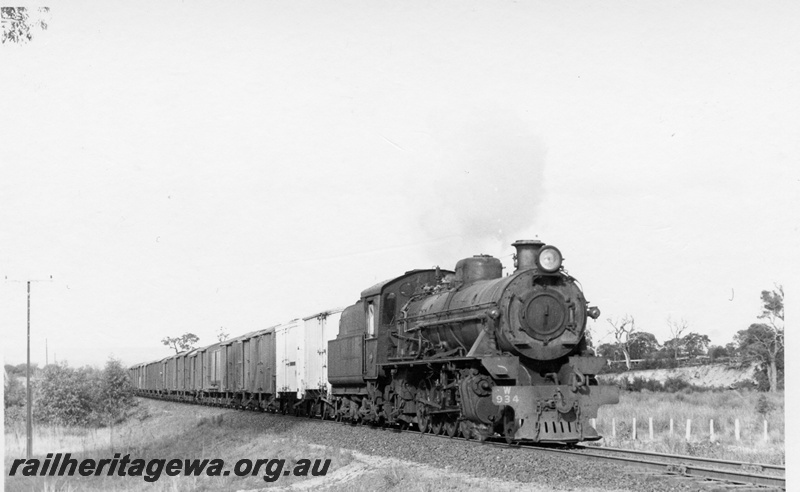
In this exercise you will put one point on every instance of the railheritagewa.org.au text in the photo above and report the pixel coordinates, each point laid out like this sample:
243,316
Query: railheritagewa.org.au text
60,464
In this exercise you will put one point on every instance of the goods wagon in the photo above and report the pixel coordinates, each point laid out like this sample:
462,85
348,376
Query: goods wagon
320,329
289,357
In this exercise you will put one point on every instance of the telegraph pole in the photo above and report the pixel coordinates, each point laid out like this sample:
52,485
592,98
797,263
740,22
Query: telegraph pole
29,392
29,426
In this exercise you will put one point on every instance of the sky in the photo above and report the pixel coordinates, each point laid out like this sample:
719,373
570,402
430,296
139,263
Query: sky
186,166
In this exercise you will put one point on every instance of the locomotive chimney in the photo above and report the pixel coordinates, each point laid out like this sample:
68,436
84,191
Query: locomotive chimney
526,253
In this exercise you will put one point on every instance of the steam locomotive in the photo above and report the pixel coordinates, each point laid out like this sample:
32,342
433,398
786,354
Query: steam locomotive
466,352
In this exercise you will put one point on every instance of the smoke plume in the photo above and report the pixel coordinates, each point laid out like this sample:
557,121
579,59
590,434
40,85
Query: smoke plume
484,181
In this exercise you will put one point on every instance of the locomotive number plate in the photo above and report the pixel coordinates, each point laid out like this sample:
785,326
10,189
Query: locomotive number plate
502,395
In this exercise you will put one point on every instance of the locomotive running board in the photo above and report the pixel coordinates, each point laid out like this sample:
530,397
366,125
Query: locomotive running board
425,362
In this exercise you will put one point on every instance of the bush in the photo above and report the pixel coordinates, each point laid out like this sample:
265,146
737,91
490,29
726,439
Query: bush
65,396
670,385
638,384
673,385
658,364
116,393
764,406
14,394
745,384
85,396
762,379
13,399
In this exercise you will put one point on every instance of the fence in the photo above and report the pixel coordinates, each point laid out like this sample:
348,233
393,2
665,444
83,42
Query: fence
713,433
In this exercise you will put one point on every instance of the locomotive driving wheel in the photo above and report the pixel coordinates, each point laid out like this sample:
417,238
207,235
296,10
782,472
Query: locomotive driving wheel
437,425
450,428
423,418
465,429
392,408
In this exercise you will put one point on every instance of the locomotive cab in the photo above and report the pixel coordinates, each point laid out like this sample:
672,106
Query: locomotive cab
367,336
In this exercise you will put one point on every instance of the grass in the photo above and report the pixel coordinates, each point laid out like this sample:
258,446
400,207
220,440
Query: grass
394,475
166,431
724,407
169,431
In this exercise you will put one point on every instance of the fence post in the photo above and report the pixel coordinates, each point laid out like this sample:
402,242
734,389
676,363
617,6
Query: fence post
651,428
711,430
671,428
766,432
594,423
688,429
736,429
634,428
614,427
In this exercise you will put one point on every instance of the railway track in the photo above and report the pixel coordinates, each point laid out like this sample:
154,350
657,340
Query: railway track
762,475
733,473
737,474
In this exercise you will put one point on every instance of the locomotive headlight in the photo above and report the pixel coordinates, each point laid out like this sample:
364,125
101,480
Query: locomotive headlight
549,259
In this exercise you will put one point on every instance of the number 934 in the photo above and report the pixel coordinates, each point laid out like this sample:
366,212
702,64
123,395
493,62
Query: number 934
505,399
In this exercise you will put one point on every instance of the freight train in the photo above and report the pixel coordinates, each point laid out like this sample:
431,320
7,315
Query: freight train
467,352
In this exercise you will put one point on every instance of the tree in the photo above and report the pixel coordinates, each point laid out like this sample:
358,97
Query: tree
20,369
772,310
676,329
608,351
765,341
758,342
673,348
642,345
115,397
183,342
622,330
116,392
695,344
83,396
66,396
717,351
222,335
17,24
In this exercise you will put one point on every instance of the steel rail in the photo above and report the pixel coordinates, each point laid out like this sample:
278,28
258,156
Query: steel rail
685,468
746,466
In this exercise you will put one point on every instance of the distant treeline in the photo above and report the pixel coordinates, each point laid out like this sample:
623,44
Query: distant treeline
760,381
761,343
